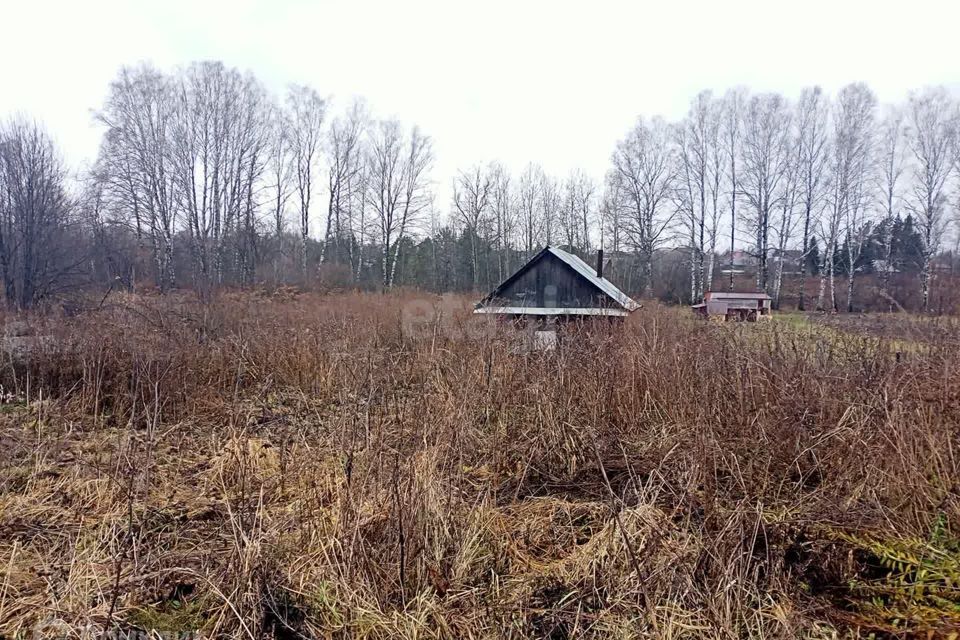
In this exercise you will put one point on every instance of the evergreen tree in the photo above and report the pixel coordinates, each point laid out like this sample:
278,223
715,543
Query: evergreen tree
907,252
813,258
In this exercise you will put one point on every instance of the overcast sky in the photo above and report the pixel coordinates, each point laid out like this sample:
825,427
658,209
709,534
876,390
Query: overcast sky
550,82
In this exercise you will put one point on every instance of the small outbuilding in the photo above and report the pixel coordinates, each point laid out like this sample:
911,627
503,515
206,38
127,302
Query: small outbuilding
557,284
734,305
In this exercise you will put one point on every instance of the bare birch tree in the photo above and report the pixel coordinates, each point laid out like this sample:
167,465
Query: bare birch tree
848,186
931,122
219,150
358,218
812,155
472,195
891,163
584,192
279,176
307,112
765,160
568,215
576,217
856,108
698,138
732,140
505,217
830,226
645,167
397,187
685,195
716,169
136,162
611,213
528,199
548,208
345,154
785,223
253,157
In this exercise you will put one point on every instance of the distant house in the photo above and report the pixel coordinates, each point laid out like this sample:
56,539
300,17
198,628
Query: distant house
557,284
746,262
743,258
741,263
792,260
734,305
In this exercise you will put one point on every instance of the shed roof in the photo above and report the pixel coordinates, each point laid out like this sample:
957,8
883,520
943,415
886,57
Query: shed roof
737,295
575,263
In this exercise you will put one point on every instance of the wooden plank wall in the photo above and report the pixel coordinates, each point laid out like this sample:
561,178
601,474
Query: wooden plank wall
531,289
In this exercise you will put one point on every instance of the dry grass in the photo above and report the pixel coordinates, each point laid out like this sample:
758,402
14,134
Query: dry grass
299,466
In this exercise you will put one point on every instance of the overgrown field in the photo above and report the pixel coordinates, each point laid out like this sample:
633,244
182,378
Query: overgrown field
306,466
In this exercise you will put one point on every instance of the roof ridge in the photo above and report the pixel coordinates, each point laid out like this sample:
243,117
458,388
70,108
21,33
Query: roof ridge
590,274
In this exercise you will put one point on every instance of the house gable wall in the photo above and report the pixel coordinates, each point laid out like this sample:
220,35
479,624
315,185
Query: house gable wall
551,283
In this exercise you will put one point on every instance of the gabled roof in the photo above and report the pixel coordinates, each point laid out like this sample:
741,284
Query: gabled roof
578,265
590,274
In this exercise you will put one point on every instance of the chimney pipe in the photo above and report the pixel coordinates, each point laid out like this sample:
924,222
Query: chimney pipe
599,263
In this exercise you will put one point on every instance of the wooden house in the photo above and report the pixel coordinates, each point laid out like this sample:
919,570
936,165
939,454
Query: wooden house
734,305
557,284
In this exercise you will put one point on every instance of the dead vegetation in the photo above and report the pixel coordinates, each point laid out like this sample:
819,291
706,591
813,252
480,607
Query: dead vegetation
304,467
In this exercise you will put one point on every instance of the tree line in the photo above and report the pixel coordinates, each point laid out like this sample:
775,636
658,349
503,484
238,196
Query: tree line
841,174
207,155
205,179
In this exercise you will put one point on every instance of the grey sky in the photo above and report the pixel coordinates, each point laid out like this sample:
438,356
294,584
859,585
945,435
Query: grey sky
550,82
